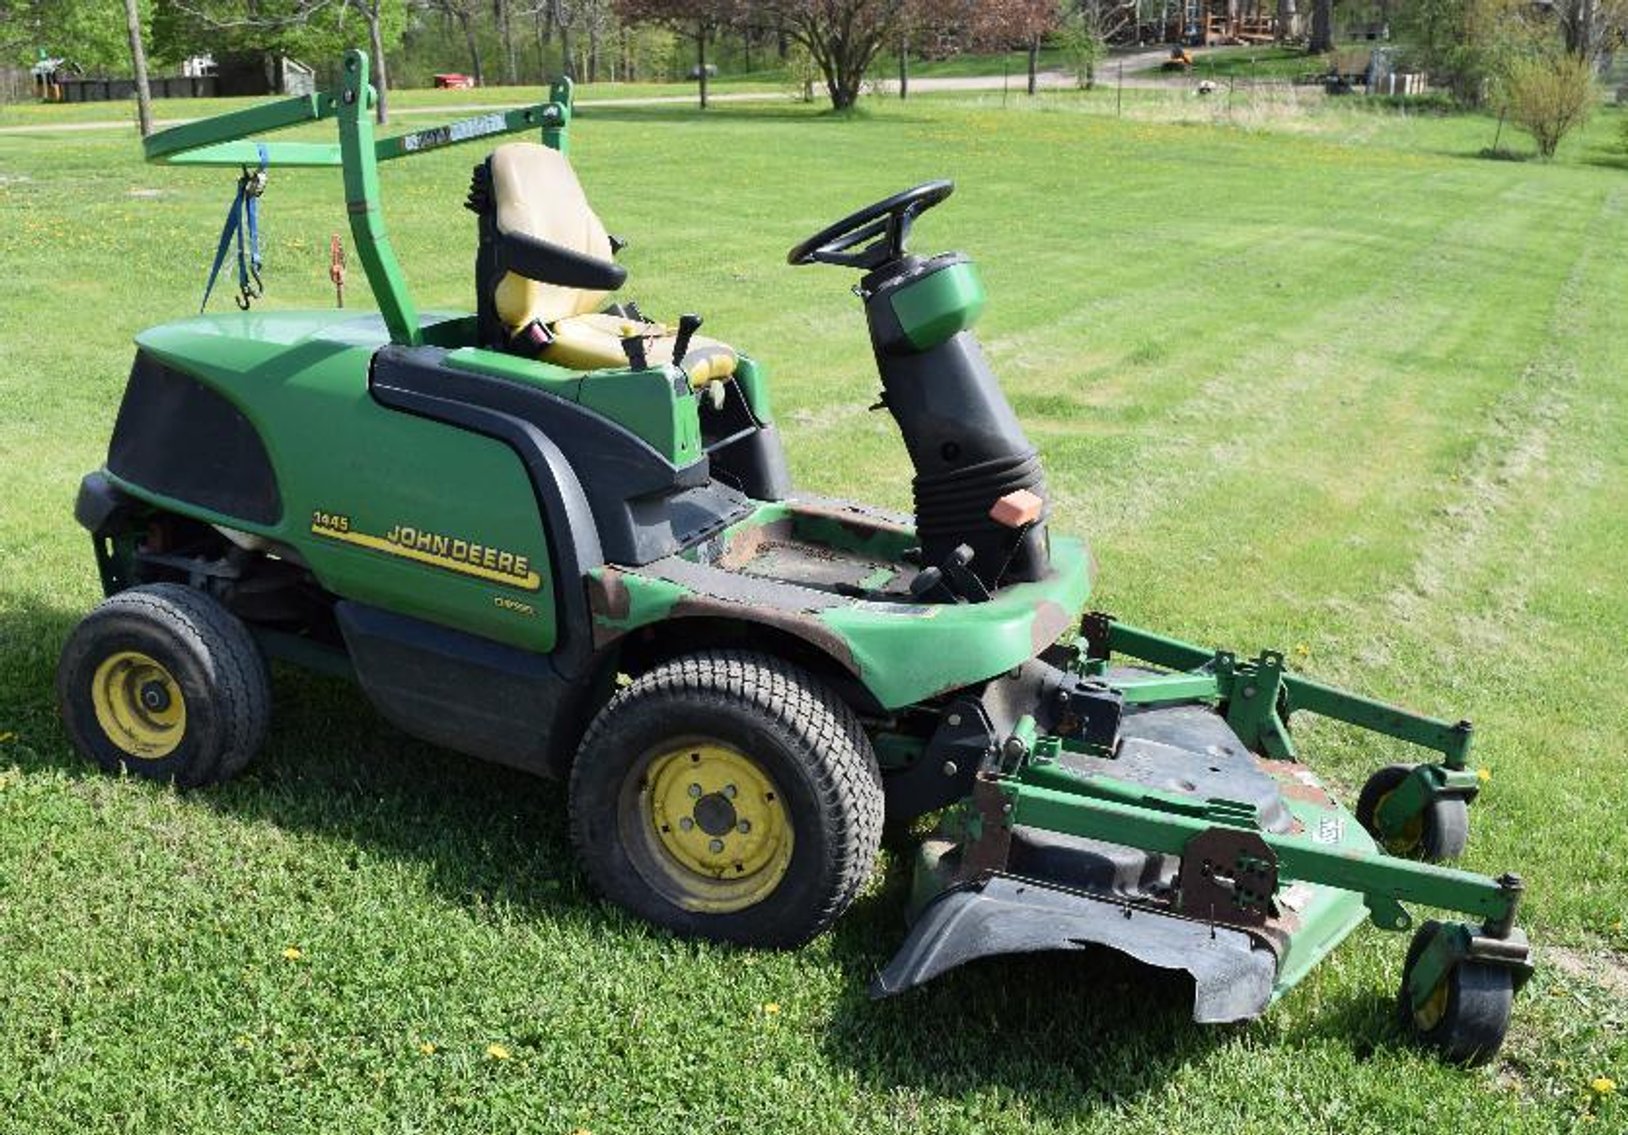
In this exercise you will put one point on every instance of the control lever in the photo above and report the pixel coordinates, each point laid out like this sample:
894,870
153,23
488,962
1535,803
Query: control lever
929,580
633,348
964,581
953,577
688,325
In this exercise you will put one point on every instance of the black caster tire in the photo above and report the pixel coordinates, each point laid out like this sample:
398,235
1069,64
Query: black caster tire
728,795
1466,1017
163,682
1437,835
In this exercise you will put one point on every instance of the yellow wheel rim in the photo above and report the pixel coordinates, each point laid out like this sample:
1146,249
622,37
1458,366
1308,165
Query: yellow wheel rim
711,829
1411,835
138,705
1429,1012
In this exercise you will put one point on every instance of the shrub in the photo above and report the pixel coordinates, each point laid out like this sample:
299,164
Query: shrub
1079,34
1548,95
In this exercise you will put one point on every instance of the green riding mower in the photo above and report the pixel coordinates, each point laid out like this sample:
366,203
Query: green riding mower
560,535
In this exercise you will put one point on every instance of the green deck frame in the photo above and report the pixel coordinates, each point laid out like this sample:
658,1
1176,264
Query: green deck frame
1257,696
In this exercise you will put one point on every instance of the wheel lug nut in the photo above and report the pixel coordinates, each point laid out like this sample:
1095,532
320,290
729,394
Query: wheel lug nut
729,791
716,846
695,791
744,826
686,823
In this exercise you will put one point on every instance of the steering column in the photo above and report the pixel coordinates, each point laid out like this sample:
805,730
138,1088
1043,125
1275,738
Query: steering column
979,488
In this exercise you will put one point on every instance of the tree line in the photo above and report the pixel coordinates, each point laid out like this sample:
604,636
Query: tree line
1509,54
837,43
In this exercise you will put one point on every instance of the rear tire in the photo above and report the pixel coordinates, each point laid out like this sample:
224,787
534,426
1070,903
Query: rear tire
728,795
163,682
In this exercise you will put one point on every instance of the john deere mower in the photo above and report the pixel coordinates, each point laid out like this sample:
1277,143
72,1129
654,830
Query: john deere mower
560,535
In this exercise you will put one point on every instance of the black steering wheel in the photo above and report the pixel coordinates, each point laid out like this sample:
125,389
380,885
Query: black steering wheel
878,231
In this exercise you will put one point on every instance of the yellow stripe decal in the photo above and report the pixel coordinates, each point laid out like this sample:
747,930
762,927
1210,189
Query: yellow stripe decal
527,580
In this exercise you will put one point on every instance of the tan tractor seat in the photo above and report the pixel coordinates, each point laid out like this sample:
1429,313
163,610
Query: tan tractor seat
535,193
592,341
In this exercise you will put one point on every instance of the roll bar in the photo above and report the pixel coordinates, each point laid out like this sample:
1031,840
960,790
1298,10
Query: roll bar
227,140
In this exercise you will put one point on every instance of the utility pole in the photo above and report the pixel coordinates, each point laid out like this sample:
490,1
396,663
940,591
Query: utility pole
138,58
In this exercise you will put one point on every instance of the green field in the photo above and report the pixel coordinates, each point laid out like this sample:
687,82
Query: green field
1309,376
1265,61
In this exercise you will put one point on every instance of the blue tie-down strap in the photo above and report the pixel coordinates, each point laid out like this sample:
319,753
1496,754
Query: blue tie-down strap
243,226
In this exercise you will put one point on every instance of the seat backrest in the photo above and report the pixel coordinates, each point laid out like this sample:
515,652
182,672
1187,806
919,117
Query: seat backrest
536,193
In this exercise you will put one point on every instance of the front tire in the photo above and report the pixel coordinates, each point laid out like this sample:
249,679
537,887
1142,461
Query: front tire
728,795
163,682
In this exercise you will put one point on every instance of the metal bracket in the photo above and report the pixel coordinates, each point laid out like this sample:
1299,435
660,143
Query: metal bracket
1455,943
1097,629
992,847
1386,913
1228,876
943,772
1426,784
1253,691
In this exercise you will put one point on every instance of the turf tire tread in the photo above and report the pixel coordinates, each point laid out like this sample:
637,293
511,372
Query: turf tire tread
847,782
228,655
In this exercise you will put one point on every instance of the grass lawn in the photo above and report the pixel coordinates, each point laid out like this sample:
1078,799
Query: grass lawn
1261,61
1311,377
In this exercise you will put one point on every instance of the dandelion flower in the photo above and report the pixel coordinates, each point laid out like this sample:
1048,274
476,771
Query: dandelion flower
427,1048
1603,1085
498,1052
293,953
1483,774
771,1008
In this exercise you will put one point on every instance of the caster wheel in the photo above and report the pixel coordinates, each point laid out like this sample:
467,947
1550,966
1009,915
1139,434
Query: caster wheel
163,682
1436,835
1466,1016
729,796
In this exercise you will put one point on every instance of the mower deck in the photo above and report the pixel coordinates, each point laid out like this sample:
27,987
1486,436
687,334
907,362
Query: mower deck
1061,892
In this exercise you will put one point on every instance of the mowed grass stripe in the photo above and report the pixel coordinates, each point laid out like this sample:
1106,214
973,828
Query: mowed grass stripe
1533,511
1306,441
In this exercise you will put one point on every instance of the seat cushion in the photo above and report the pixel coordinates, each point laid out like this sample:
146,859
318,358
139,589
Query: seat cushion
594,342
536,193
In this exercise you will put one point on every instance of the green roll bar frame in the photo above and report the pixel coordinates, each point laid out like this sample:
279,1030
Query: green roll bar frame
223,140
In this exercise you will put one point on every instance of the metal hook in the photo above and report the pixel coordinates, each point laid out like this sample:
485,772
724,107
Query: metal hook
247,292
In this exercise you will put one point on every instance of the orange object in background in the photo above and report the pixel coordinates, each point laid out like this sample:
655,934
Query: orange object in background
454,81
